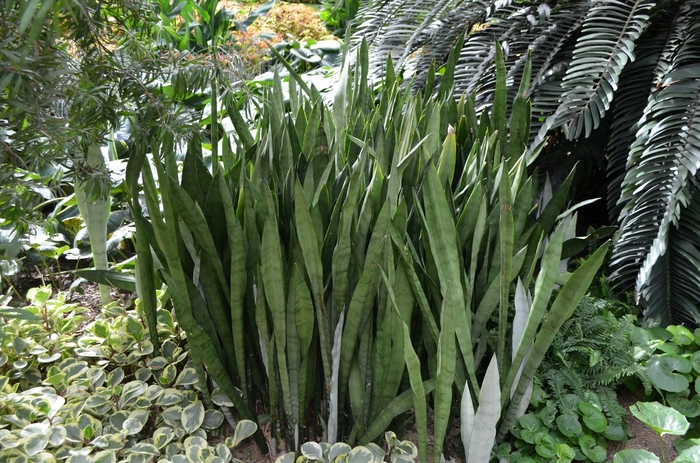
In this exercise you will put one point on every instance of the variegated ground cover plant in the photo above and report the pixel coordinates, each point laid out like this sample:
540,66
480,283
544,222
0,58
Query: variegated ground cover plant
99,393
346,267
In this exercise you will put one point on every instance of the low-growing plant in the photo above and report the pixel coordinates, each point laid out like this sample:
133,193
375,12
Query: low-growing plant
567,429
99,396
671,358
398,451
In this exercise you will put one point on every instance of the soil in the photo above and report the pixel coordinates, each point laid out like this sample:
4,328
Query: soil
641,436
87,295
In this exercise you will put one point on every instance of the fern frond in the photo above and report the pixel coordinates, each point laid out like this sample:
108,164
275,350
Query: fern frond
611,405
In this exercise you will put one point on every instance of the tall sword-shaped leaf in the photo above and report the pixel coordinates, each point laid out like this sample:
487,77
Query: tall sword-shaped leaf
483,436
314,269
145,272
442,234
238,281
95,212
561,309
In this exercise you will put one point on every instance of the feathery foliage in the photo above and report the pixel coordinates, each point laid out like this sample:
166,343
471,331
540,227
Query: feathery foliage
615,87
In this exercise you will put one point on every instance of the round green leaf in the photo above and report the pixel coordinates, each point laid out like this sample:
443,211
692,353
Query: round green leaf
545,445
662,369
531,425
596,452
615,432
662,419
192,416
569,425
162,436
689,455
681,335
592,417
635,456
565,453
688,407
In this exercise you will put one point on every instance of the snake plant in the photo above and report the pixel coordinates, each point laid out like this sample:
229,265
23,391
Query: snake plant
342,249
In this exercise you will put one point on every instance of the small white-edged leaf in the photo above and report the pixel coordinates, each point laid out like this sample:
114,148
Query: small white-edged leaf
220,398
187,377
192,416
169,397
34,429
223,452
212,419
286,458
245,429
378,452
106,456
144,448
360,454
195,441
312,451
134,424
79,458
57,435
338,449
34,443
162,436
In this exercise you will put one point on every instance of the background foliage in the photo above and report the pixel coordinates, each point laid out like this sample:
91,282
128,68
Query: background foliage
614,88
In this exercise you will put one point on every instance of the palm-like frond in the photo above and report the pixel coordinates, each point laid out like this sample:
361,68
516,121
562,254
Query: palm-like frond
635,86
397,27
660,188
604,48
671,294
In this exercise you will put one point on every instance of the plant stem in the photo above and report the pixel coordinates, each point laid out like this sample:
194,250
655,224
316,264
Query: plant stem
661,442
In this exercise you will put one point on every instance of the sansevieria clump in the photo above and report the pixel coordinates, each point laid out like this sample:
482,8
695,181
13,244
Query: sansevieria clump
348,266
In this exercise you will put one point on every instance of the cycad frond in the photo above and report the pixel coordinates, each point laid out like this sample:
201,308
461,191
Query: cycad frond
604,48
635,86
672,292
661,185
396,28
